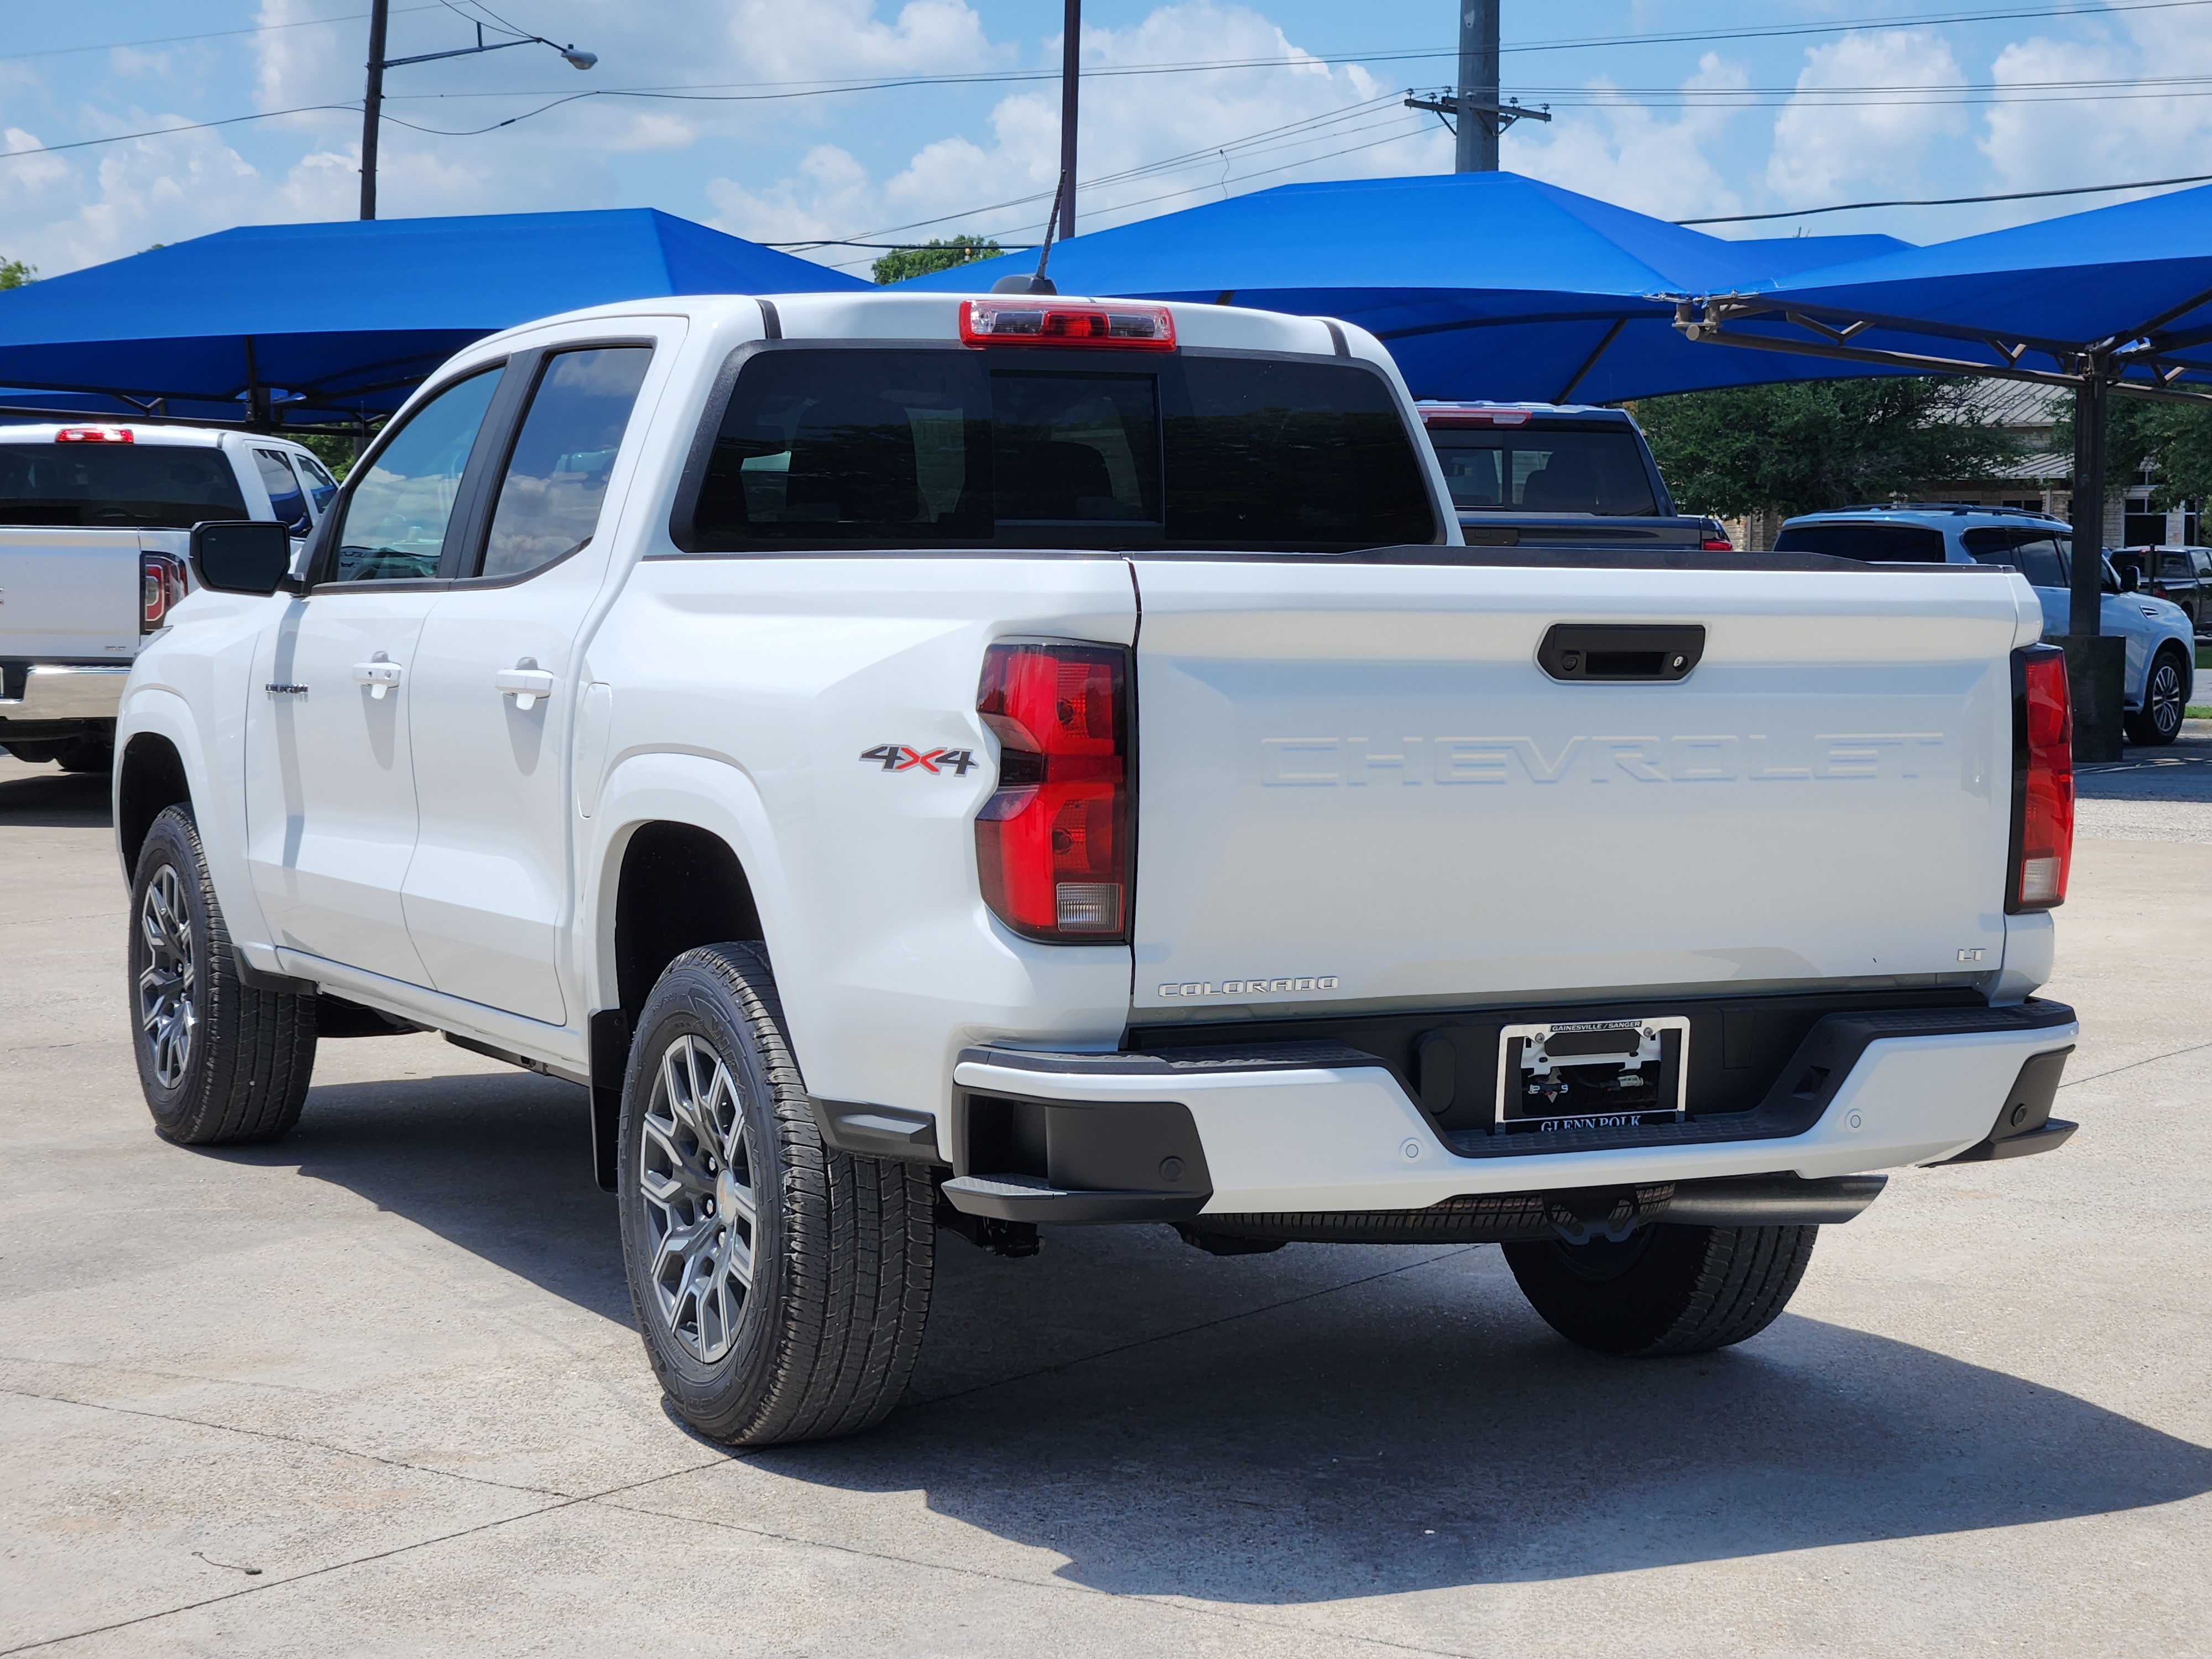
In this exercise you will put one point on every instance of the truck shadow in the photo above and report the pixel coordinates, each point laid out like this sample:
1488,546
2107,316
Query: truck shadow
1317,1424
48,799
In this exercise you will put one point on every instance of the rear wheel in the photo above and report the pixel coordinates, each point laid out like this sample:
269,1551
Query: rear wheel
1664,1290
219,1062
781,1287
2165,695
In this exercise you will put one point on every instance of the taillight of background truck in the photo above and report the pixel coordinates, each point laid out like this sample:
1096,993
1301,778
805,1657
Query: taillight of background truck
162,585
2043,781
1052,843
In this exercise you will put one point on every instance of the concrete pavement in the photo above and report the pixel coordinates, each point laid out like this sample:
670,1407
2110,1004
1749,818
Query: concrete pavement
373,1390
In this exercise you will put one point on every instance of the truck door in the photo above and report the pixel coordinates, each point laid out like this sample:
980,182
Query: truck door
489,894
330,796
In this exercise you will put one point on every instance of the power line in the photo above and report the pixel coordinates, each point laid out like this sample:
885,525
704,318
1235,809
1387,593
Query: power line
1950,201
157,132
209,34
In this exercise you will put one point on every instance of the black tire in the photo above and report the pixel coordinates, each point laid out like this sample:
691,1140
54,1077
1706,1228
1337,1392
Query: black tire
1664,1290
819,1340
219,1062
2166,699
88,755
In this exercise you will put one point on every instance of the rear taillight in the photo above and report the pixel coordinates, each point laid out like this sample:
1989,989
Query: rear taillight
2042,780
1052,843
161,585
1716,544
1121,324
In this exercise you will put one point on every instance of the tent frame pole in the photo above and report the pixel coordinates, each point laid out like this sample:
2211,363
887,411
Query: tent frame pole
1070,81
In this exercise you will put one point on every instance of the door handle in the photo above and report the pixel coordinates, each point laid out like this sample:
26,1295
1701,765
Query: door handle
380,676
525,686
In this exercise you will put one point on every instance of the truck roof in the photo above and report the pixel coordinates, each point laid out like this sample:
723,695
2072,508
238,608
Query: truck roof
142,432
926,315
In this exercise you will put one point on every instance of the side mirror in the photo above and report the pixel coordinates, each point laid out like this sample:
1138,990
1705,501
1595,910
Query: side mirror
243,555
2130,579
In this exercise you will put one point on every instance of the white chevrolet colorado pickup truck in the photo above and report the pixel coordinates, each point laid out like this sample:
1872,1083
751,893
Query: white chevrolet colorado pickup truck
935,763
92,520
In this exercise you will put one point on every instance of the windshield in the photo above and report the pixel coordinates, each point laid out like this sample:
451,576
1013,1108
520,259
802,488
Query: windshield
116,486
908,447
1538,470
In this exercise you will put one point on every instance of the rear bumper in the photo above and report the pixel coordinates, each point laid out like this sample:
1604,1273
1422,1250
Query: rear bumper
62,691
1317,1131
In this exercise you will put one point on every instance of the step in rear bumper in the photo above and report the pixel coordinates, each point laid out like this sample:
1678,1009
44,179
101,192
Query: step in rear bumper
1311,1127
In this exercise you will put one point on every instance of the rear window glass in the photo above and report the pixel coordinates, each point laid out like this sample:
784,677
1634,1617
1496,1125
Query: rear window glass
116,486
286,500
916,447
1880,544
1526,470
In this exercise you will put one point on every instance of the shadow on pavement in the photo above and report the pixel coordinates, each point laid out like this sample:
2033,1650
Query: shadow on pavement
55,800
498,1163
1321,1423
1424,1430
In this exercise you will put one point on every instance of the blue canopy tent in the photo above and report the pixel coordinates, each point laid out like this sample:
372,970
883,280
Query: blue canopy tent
307,324
1482,284
2114,300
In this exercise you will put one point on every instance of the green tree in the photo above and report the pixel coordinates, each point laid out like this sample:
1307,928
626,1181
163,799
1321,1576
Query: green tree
2174,438
936,255
334,453
13,273
1805,445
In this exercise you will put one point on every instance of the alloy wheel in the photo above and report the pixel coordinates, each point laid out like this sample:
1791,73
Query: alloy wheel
694,1175
2164,697
167,1015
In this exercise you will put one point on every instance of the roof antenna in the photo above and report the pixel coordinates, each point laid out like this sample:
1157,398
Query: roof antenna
1038,282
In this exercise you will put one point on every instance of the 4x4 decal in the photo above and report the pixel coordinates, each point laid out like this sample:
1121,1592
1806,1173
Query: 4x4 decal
899,757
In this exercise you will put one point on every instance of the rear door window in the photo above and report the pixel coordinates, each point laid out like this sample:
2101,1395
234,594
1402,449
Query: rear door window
898,447
1877,544
1538,470
135,486
2036,554
555,480
287,502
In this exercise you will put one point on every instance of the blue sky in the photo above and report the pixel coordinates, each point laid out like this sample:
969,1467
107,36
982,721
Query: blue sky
1878,99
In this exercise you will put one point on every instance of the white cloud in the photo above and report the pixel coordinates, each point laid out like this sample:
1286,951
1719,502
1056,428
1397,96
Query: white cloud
2032,142
1206,122
1823,144
1626,153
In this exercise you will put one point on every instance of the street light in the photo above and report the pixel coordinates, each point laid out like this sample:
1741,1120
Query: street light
371,102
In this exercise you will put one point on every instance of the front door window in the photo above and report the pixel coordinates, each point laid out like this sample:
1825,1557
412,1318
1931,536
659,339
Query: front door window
396,520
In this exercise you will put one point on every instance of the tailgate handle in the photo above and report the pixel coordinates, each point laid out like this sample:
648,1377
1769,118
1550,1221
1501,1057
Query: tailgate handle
1616,652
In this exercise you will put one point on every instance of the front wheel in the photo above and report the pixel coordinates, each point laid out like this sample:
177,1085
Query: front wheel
219,1061
781,1286
2164,700
1664,1290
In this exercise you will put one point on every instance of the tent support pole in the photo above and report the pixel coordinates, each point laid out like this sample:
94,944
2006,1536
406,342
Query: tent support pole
372,104
1590,362
2096,662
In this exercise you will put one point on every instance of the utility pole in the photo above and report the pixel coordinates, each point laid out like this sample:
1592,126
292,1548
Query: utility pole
372,104
1070,54
1471,109
372,98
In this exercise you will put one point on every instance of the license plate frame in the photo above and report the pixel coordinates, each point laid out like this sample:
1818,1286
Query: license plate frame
1556,1075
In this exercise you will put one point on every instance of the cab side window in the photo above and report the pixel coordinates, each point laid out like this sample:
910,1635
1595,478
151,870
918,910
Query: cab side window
286,499
555,480
395,521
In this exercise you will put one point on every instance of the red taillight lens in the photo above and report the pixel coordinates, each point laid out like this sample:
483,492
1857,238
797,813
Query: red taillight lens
1120,324
1721,544
1052,843
95,434
2043,781
161,586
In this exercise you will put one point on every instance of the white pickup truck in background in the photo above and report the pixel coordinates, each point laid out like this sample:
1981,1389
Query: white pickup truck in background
93,518
927,763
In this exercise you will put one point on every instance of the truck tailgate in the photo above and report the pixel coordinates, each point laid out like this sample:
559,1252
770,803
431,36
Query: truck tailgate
70,595
1356,786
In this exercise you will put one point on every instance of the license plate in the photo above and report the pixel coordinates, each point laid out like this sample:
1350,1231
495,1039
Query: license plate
1592,1074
